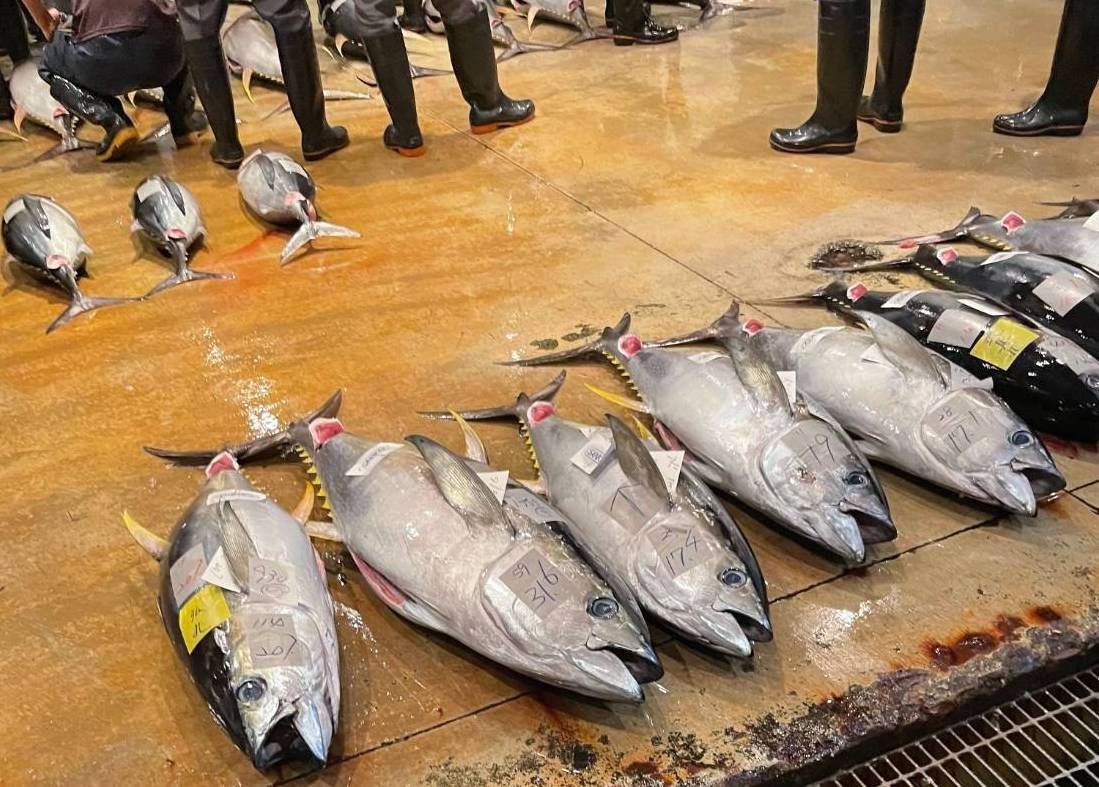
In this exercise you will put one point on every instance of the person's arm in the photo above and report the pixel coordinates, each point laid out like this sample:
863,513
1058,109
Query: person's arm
45,18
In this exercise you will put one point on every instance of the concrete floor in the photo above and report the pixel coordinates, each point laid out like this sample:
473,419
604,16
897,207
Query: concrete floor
645,184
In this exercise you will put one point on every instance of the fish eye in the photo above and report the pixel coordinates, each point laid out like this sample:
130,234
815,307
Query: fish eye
1091,380
251,690
1021,438
733,577
603,608
856,478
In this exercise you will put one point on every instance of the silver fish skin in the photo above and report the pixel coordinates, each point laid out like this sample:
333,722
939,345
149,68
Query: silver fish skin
31,98
499,582
280,191
745,438
269,673
568,12
249,44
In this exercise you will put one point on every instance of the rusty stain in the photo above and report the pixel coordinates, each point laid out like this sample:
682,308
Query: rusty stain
1007,625
1044,614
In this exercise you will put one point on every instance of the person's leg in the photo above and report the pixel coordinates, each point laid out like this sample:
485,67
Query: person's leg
185,118
1062,109
898,33
412,16
201,22
13,32
385,47
843,44
302,75
6,111
634,25
469,36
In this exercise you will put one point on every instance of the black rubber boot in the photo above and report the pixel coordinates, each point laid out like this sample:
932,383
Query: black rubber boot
412,16
389,59
633,25
474,59
608,14
211,80
6,112
843,45
302,75
103,111
898,34
1062,110
185,119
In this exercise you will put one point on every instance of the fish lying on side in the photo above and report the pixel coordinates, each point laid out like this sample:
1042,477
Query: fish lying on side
244,600
568,12
31,100
1075,208
743,435
167,214
1045,378
1043,291
341,24
250,50
438,548
668,541
905,406
279,190
504,36
45,238
1075,240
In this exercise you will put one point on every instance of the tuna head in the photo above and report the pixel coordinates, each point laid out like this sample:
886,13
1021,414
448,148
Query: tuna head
986,452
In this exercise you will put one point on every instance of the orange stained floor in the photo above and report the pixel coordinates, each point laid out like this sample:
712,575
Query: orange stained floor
645,184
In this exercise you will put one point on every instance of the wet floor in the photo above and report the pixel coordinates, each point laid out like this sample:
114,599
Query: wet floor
645,184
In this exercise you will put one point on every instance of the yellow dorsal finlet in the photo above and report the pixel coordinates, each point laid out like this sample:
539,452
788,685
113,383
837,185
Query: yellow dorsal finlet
524,431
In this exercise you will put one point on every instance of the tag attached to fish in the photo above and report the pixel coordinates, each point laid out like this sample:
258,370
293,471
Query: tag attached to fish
670,464
1003,343
497,482
1063,291
955,426
957,328
1092,223
1070,354
532,505
203,612
811,444
370,458
789,380
538,583
706,357
218,572
898,300
273,580
984,307
234,495
594,454
14,209
272,640
680,548
186,573
147,189
961,378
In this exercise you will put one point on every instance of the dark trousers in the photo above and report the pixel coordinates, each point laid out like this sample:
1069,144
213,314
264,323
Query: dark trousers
13,31
204,18
378,17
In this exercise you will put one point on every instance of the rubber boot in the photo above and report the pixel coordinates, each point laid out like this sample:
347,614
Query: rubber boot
608,14
633,25
898,34
474,59
389,58
302,75
103,111
843,45
1062,110
185,119
412,16
6,111
211,79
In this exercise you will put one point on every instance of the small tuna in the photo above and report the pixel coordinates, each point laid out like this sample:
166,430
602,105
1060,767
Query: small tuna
31,99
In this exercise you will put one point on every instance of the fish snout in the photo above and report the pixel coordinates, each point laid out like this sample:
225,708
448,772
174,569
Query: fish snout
637,656
838,532
741,601
1044,477
1010,489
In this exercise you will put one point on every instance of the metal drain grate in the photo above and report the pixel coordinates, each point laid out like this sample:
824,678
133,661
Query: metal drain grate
1048,736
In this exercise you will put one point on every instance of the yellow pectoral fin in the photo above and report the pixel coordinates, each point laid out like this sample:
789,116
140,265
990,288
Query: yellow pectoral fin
643,430
621,401
151,543
246,79
304,507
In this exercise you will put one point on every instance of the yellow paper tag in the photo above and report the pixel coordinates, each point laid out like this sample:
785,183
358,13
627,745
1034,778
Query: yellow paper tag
202,612
1003,342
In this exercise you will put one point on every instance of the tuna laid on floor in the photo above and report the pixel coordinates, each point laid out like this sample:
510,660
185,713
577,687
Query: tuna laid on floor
244,600
905,406
45,238
567,12
341,24
1045,378
664,537
742,434
437,547
166,213
1045,291
280,191
31,99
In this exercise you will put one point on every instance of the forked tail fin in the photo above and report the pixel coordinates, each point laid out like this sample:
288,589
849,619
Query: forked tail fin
311,230
506,411
82,304
954,233
594,349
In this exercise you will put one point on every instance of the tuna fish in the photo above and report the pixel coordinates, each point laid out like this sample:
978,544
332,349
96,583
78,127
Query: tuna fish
1075,208
1044,377
568,12
341,24
250,50
743,436
665,538
245,604
1043,291
1075,240
31,99
167,215
45,238
437,547
905,406
279,190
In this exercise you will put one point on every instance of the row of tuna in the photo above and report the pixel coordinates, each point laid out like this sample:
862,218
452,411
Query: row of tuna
45,239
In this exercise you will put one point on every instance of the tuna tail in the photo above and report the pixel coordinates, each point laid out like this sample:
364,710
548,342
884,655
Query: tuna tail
517,47
514,410
877,265
183,273
276,445
81,304
1075,208
308,232
813,296
724,326
954,233
595,349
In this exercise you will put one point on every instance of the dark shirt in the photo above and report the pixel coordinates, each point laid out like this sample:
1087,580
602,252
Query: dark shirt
93,18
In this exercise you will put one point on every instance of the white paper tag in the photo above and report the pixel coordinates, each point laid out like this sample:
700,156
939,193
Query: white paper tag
984,307
293,167
147,189
497,482
186,573
532,505
873,354
1069,353
671,465
680,548
231,495
958,328
789,380
594,453
371,456
1064,290
272,640
961,378
900,299
1000,256
538,583
809,340
13,210
273,580
218,572
1093,222
588,431
707,356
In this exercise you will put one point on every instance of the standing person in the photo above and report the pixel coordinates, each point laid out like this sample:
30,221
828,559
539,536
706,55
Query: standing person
1062,109
14,44
201,21
631,23
116,47
472,54
843,44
